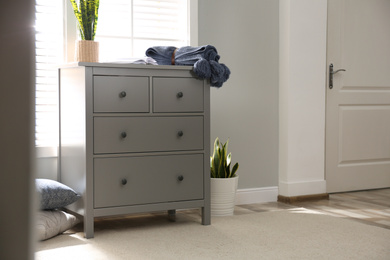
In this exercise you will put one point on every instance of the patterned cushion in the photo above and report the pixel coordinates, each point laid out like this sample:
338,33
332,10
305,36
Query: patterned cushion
54,194
53,222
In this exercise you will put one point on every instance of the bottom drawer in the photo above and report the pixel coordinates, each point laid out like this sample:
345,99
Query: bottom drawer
150,179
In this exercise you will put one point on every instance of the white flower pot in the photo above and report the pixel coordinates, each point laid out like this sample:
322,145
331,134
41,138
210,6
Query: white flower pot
223,195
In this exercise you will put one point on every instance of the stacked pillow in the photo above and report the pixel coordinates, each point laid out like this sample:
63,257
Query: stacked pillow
53,196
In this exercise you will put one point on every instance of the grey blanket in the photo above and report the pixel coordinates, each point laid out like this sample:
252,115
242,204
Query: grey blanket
204,60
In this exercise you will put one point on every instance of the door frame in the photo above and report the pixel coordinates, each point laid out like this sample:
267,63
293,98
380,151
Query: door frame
302,82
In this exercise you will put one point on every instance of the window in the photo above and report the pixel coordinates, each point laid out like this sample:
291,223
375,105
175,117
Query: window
49,46
126,28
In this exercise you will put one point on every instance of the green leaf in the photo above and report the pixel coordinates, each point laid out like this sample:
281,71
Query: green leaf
229,158
78,18
87,16
227,170
220,161
235,168
212,172
216,157
91,16
97,2
84,18
216,144
221,168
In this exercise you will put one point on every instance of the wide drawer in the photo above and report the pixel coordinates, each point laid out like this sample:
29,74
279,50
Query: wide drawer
177,95
142,180
120,94
147,134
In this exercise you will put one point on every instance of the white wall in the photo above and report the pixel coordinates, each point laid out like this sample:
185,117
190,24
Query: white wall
47,168
245,109
302,68
273,107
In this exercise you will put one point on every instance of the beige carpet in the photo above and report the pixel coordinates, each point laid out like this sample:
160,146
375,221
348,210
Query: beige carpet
270,235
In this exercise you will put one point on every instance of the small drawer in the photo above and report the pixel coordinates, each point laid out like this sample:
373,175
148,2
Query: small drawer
147,134
120,94
144,180
177,95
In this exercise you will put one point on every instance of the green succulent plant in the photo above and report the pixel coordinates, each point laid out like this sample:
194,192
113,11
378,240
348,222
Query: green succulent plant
87,17
221,160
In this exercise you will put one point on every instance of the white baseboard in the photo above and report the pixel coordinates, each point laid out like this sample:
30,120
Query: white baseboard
257,195
292,189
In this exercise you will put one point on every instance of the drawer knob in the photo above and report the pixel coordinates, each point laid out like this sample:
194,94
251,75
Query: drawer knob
180,133
180,178
180,94
124,181
122,94
123,134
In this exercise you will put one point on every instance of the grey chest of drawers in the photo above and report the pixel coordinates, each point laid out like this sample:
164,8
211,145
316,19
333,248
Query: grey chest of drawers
134,138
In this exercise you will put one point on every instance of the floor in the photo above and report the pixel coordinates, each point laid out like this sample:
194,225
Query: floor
369,207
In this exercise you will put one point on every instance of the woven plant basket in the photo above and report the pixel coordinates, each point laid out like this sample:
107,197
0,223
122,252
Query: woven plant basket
87,51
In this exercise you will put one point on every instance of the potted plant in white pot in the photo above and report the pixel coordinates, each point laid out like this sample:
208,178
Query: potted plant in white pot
223,183
87,49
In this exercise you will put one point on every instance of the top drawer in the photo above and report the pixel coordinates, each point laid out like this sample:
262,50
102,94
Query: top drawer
120,94
177,95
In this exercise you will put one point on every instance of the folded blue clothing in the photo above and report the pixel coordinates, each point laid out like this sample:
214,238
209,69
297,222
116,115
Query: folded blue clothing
161,54
203,58
190,55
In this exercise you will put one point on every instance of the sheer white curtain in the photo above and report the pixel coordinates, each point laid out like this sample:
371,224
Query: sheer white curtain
126,28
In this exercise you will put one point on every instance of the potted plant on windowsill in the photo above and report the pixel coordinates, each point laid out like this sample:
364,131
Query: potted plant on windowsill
223,183
87,49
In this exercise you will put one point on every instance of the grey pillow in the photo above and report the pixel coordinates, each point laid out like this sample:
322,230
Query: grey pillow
54,195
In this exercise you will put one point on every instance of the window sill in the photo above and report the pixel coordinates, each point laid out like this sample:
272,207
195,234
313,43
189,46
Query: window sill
46,151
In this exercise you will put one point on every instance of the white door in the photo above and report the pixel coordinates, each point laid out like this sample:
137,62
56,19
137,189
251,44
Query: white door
358,106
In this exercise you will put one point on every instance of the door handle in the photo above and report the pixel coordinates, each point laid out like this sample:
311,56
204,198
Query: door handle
331,73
